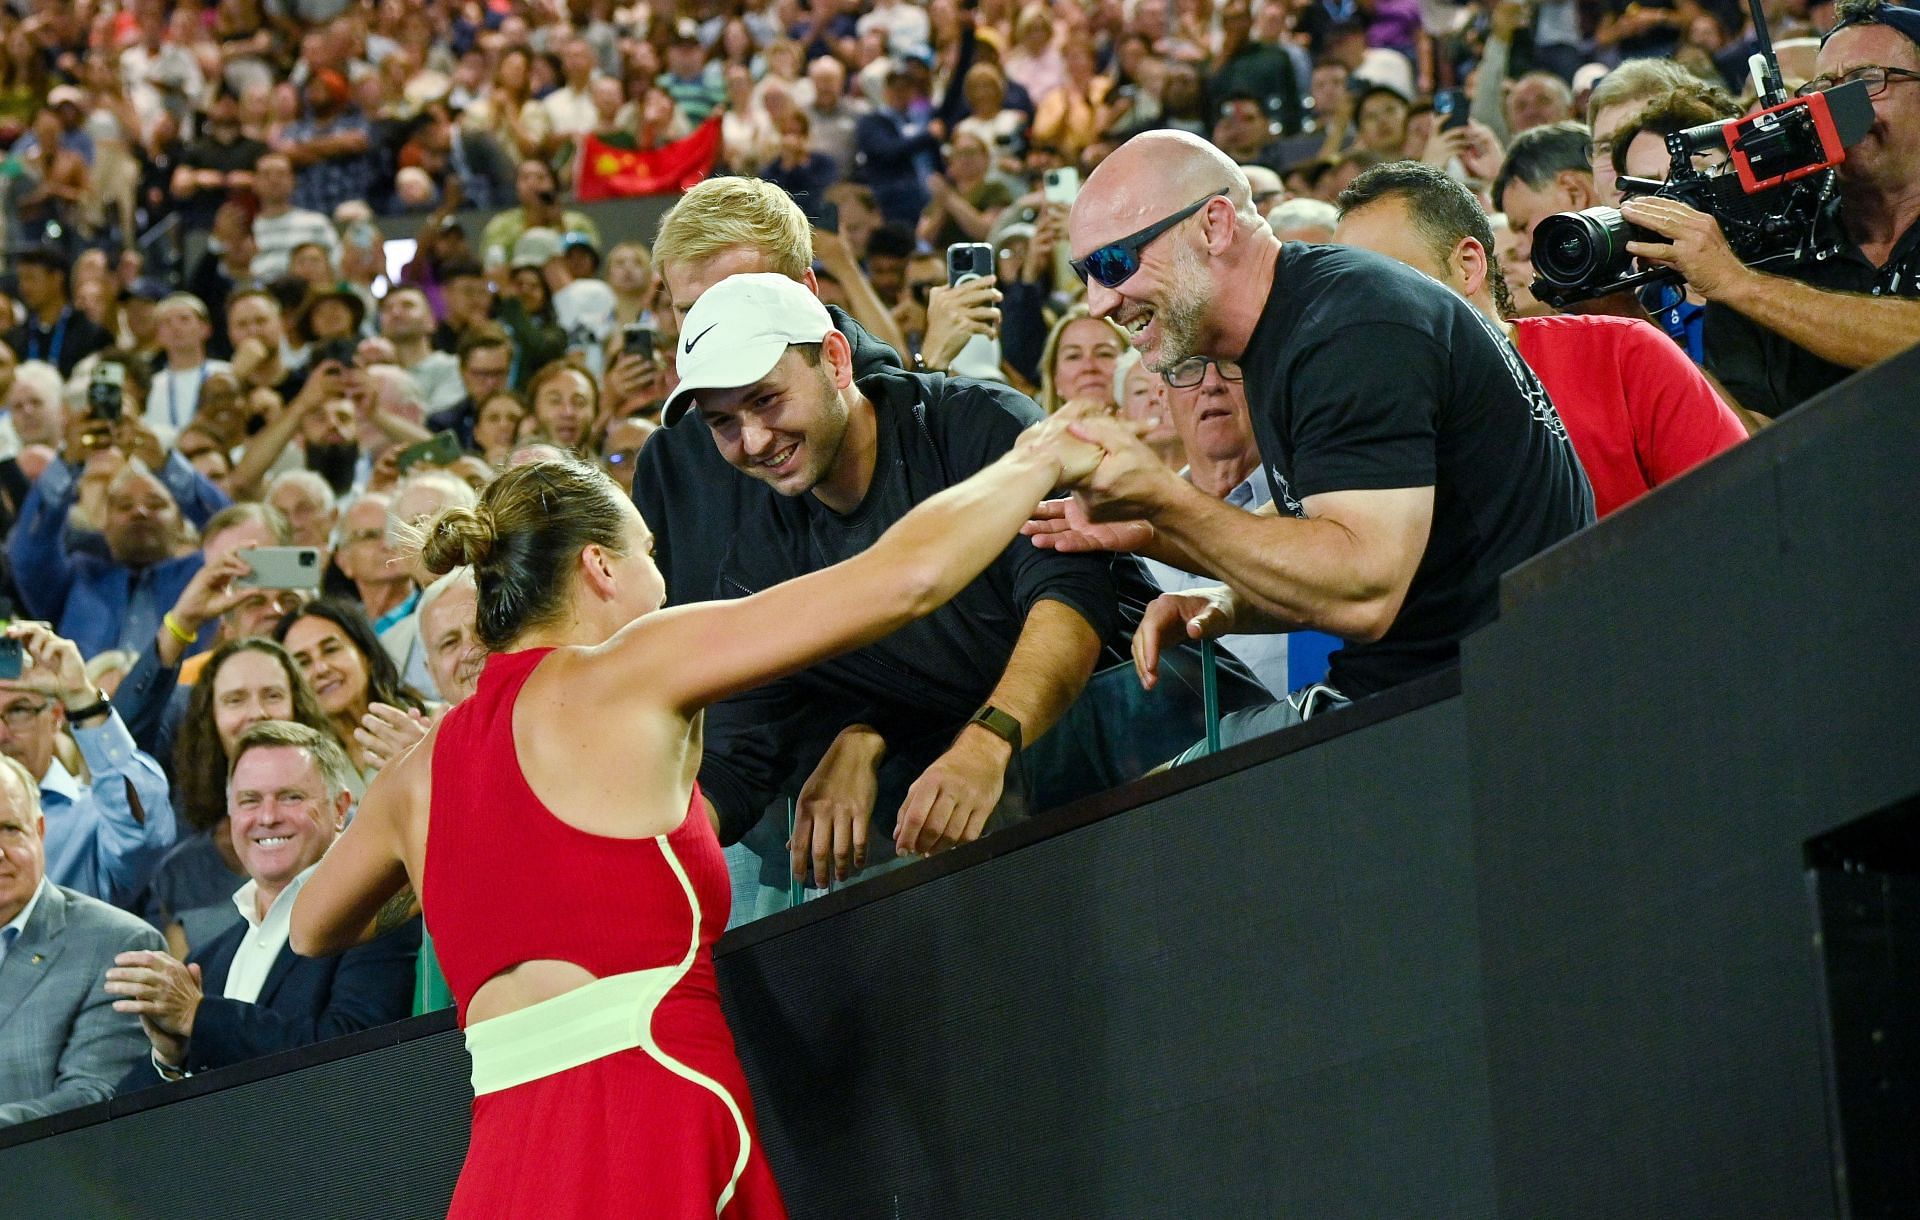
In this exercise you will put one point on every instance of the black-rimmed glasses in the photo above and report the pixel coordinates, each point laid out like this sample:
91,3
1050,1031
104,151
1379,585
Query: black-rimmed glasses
1877,79
1114,263
22,715
1190,373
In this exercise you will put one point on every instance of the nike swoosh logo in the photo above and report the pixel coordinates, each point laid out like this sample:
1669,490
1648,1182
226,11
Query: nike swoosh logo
703,334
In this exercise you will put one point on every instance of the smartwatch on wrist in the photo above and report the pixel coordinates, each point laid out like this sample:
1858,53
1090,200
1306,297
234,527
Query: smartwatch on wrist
1000,724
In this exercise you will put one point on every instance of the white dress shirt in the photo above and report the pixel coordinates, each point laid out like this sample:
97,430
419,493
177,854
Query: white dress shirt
17,926
1265,653
264,938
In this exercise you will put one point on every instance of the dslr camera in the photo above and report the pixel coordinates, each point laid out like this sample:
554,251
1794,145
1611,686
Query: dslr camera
1767,197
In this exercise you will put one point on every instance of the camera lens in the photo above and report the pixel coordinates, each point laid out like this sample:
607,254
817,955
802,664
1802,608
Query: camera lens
1581,249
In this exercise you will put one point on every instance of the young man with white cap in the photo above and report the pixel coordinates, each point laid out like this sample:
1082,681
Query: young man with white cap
955,698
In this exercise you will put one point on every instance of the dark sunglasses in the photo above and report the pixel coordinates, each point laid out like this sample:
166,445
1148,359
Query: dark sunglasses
1114,263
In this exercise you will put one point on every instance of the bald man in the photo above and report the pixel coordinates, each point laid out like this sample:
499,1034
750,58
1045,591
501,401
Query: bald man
1413,457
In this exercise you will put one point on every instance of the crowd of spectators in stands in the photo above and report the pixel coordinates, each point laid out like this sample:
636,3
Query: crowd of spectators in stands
215,342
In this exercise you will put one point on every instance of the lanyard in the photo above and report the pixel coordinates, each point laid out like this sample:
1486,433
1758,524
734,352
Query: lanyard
173,415
56,342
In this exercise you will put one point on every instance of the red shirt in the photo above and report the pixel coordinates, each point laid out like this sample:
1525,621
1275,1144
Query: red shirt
1636,409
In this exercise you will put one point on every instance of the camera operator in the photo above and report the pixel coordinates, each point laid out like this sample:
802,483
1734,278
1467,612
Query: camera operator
1772,339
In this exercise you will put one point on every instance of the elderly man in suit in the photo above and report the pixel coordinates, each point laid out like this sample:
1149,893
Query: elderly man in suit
61,1042
246,993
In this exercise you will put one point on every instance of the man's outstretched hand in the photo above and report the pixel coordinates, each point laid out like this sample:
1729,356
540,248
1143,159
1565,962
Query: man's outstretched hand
1066,525
1103,512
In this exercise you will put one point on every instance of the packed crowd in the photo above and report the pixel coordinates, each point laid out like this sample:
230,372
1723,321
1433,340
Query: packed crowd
228,409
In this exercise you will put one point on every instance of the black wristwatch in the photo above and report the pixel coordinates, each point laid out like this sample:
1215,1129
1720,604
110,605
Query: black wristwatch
1000,724
91,710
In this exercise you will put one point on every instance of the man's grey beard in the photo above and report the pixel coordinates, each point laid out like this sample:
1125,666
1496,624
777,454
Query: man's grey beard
1183,312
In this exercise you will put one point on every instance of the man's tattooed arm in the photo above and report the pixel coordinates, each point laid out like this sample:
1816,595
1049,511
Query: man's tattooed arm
398,910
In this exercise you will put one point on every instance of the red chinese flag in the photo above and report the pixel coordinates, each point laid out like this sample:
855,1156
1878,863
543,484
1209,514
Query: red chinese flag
616,173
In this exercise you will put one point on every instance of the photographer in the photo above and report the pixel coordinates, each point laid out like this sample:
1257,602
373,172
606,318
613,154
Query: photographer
1772,339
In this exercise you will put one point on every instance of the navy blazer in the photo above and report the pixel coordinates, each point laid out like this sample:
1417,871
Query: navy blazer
304,1000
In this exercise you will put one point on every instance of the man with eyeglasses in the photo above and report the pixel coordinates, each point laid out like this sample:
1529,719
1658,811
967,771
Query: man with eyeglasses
1413,457
105,832
1773,339
1207,404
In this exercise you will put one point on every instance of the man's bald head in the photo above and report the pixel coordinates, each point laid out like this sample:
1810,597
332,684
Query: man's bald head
1150,176
1169,295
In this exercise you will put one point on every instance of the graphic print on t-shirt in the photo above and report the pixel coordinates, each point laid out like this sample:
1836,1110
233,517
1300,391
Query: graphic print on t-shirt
1282,493
1538,404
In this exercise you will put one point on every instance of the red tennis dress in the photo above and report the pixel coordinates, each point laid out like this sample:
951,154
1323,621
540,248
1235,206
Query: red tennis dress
653,1120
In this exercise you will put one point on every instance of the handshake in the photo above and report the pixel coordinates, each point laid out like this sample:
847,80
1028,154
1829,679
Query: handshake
1084,435
1117,481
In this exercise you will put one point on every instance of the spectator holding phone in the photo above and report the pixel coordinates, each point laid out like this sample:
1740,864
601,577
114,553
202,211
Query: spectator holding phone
115,600
107,829
223,602
956,313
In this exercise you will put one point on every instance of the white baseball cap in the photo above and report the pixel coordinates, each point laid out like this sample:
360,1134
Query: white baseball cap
738,330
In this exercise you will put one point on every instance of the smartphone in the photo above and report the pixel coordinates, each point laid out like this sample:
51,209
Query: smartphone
280,567
1062,185
637,340
1453,108
11,659
829,221
440,449
968,260
106,391
337,350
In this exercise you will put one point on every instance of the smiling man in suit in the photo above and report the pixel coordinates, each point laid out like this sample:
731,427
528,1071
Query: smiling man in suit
61,1043
247,993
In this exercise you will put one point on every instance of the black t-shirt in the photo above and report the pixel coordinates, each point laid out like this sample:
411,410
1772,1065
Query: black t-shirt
1363,374
228,157
922,682
1768,373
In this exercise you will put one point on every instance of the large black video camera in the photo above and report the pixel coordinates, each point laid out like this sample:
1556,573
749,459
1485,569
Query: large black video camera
1767,196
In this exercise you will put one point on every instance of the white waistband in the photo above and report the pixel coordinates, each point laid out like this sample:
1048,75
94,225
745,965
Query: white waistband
590,1022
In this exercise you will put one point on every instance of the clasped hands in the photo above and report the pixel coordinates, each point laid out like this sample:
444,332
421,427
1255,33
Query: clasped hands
1115,479
164,992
